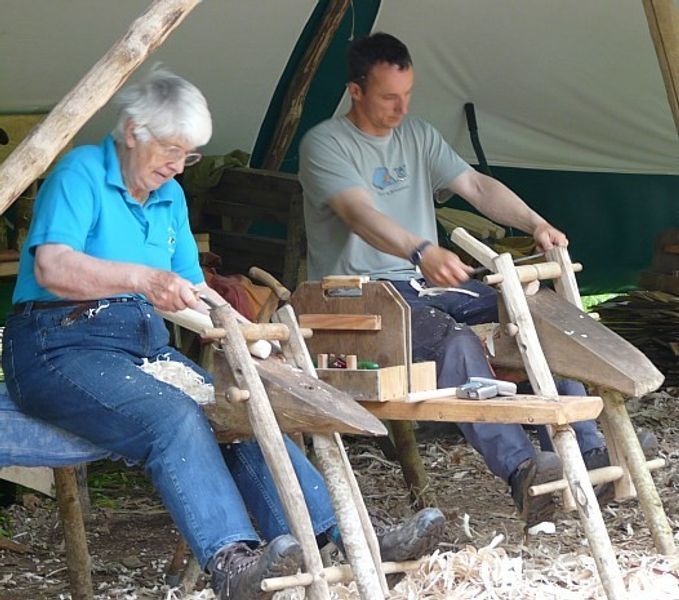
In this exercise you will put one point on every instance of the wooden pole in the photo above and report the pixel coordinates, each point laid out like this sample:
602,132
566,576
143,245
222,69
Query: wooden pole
353,520
77,556
39,148
414,473
270,440
663,23
628,444
291,111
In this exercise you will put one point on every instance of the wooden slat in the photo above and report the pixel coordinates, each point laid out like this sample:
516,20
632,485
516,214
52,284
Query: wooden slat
510,409
389,383
342,322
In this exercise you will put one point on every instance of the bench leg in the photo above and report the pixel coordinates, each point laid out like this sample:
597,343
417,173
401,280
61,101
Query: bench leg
414,473
77,556
627,442
590,513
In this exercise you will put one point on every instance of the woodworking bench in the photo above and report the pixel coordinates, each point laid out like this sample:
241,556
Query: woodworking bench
540,334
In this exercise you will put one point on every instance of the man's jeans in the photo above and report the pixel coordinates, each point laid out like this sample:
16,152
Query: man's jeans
439,334
84,378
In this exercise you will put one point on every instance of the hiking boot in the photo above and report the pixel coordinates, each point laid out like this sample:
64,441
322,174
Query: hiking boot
597,458
544,467
238,571
411,539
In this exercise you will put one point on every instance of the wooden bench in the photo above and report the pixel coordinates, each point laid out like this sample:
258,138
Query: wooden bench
625,368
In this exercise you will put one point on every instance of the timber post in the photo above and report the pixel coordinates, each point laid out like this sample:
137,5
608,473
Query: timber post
78,559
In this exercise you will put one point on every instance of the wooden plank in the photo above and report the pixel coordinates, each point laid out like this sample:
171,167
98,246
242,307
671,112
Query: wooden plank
341,322
579,347
506,409
35,478
671,248
422,376
260,179
202,241
388,383
659,281
663,23
8,269
301,404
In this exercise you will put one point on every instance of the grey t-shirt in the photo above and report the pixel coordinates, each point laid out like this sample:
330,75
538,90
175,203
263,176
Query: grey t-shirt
401,171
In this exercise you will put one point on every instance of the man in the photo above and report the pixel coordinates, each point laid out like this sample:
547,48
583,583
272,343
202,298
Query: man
109,242
368,179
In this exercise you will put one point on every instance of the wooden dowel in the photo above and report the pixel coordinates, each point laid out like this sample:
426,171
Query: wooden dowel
39,148
338,574
352,362
322,361
596,476
529,273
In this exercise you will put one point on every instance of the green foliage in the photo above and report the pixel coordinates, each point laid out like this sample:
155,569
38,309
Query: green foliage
590,302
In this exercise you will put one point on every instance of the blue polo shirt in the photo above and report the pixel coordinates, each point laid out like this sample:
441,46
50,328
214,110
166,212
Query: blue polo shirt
84,204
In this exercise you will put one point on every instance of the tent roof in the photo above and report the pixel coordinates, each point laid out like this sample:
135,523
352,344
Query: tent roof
558,85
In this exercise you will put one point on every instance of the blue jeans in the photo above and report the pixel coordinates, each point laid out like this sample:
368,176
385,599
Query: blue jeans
439,334
84,378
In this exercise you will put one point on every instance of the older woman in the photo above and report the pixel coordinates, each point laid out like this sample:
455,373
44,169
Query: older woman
109,242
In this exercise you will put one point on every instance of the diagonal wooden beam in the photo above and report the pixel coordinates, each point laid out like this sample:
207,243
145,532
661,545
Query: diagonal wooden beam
663,23
39,148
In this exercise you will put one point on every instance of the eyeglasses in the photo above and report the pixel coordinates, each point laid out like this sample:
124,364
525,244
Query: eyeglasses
176,153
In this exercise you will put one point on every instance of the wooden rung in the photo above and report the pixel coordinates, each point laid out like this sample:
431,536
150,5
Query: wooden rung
596,476
339,574
671,248
534,410
340,322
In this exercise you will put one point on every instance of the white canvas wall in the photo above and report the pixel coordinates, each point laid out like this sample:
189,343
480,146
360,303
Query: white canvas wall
570,84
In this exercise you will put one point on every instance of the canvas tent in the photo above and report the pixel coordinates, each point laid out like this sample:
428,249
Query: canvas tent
572,109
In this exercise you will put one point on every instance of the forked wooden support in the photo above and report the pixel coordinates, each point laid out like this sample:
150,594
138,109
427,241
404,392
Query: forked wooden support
353,520
563,436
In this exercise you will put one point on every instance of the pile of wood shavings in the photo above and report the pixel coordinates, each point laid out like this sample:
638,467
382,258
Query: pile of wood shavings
181,376
492,573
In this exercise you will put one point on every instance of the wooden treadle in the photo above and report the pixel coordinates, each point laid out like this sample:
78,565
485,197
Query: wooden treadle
533,410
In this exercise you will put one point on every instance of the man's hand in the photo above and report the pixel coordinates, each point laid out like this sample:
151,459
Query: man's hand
167,291
443,267
546,237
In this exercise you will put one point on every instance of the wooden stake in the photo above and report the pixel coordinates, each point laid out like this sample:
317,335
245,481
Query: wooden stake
77,556
39,148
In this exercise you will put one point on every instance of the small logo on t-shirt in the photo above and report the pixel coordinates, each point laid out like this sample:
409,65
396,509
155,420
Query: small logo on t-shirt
171,240
384,178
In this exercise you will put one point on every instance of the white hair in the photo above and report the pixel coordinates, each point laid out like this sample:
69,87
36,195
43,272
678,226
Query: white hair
164,106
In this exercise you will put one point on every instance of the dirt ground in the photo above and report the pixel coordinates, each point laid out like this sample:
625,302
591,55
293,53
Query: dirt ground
132,538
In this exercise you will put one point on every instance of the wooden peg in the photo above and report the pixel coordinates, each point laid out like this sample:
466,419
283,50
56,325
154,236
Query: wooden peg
236,395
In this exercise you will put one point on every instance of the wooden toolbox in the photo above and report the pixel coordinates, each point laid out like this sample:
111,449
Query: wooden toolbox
371,321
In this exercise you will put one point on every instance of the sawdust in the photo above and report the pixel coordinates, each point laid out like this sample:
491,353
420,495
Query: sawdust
132,542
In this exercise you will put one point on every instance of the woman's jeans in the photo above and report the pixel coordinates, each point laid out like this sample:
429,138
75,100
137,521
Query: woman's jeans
84,377
439,333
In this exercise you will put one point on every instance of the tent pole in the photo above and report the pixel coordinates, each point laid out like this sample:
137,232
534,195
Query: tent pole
291,111
39,148
663,23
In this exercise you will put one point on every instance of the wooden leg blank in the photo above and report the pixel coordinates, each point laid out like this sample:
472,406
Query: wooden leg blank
77,556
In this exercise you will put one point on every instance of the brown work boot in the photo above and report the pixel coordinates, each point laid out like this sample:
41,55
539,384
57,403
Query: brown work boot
543,468
598,458
237,570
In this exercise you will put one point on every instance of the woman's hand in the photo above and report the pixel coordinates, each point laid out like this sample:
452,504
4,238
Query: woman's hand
166,290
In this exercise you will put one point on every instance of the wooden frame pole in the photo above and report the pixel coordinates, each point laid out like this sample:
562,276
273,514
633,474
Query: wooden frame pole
39,148
663,23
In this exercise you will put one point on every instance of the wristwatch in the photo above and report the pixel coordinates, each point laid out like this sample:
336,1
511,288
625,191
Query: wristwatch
416,256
